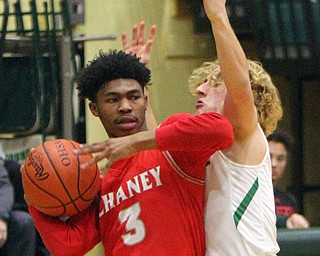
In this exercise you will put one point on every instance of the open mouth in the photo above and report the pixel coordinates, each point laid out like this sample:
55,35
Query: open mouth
199,104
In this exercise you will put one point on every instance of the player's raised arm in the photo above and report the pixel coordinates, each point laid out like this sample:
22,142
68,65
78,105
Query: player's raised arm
239,105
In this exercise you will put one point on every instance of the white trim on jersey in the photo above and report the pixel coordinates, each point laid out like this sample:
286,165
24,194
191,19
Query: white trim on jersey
183,174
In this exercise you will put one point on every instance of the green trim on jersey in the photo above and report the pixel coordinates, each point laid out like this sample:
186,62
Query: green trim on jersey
245,202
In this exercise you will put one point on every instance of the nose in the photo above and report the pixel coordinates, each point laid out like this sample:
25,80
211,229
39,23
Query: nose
202,89
273,162
125,106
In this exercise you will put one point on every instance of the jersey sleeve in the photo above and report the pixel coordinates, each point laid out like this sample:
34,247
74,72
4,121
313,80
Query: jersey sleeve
76,236
208,131
192,139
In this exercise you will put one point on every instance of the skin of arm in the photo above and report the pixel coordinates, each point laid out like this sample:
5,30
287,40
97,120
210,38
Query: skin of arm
150,117
239,105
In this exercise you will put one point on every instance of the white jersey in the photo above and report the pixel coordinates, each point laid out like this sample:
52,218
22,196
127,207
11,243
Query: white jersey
240,213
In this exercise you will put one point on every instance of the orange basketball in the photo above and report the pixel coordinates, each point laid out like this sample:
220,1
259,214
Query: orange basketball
53,181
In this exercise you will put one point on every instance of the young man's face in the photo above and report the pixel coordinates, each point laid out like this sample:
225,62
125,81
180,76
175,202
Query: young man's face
279,158
120,105
211,97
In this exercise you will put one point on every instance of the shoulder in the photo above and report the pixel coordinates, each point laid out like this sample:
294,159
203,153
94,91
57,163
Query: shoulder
194,117
175,117
251,149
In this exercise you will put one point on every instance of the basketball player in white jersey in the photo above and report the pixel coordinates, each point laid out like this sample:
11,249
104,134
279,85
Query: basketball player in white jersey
239,216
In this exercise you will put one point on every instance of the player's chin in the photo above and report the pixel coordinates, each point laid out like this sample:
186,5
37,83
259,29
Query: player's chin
127,132
199,111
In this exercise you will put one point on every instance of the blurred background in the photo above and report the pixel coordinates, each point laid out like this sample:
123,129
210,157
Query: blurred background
45,43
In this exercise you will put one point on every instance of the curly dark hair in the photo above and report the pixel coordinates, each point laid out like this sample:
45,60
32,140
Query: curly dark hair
282,137
109,66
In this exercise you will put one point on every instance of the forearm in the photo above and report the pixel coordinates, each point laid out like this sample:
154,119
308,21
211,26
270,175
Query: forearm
150,117
145,140
232,59
238,105
74,237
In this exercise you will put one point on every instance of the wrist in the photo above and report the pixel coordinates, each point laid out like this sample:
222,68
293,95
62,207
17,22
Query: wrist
145,140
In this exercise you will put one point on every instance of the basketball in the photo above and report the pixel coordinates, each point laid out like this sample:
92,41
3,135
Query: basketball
53,181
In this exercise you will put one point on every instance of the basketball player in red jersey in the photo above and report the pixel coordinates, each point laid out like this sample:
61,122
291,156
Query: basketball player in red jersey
152,201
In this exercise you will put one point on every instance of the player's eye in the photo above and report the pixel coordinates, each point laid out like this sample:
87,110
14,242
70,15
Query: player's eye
203,81
135,97
112,100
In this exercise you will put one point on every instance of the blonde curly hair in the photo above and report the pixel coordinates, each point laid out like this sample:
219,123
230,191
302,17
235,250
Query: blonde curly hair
266,95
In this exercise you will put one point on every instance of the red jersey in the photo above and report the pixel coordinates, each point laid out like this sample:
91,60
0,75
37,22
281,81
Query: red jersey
151,203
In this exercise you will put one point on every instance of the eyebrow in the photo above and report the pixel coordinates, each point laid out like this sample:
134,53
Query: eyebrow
112,93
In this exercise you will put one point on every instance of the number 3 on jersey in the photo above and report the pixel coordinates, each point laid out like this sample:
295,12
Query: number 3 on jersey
135,228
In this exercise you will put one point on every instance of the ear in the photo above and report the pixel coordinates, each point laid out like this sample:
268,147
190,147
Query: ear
146,99
94,109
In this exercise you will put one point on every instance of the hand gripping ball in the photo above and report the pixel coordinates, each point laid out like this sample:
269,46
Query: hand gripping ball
53,181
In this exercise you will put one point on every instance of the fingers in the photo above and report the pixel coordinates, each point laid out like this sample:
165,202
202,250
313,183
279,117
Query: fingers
3,233
124,41
153,32
93,161
151,39
141,37
134,40
105,169
90,148
138,37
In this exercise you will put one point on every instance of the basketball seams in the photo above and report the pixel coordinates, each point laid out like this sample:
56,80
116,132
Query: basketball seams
78,183
44,191
59,177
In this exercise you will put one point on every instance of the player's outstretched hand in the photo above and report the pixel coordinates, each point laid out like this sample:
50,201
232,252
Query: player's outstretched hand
115,149
112,149
138,45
